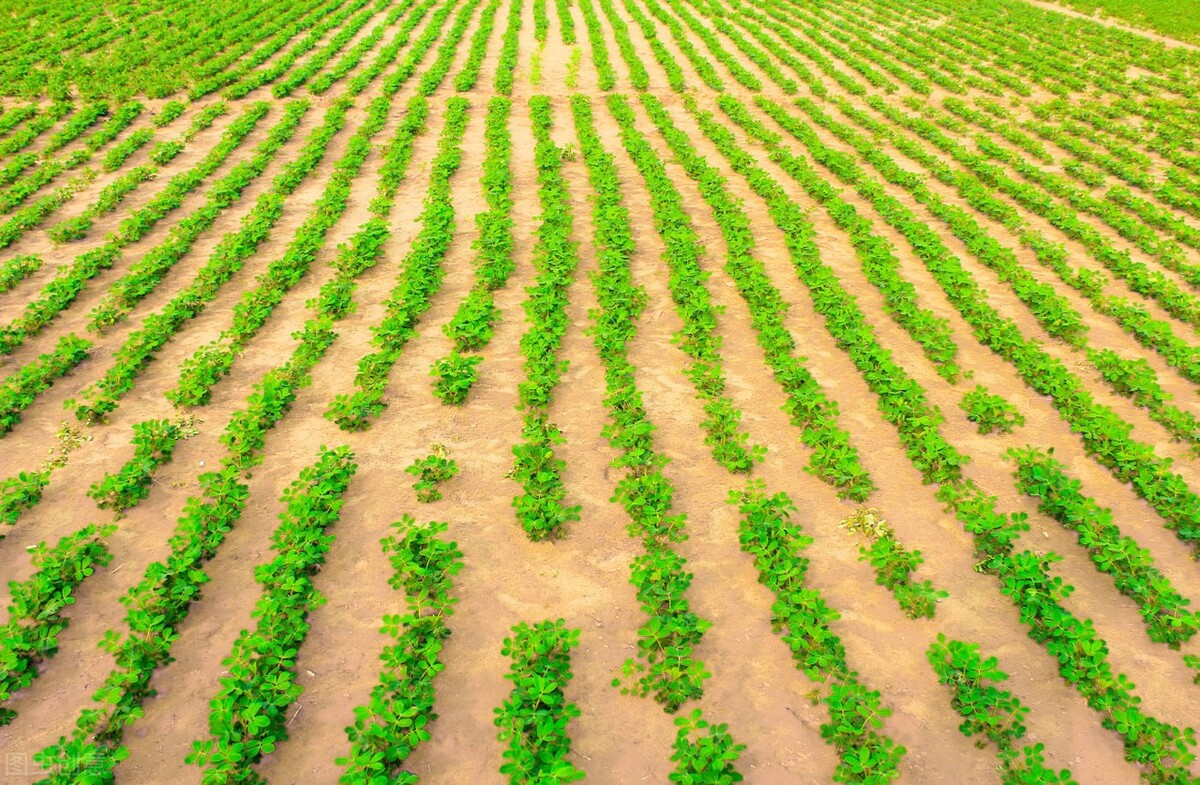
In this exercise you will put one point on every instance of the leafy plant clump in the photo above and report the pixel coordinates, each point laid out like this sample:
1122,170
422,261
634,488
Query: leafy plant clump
991,412
455,373
431,471
705,754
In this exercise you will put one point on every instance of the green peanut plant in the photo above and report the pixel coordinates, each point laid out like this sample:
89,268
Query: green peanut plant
431,471
990,411
704,754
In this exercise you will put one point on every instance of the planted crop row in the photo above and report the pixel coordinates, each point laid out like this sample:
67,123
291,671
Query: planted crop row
81,120
386,56
43,121
1163,609
637,70
805,620
506,65
33,214
671,69
220,73
366,245
894,564
23,490
420,279
115,158
1136,380
665,667
249,713
113,194
1131,166
991,712
354,56
15,116
326,53
752,23
704,753
35,609
341,11
154,443
200,372
566,23
790,14
99,399
1142,233
1150,283
448,49
168,113
17,269
47,167
990,411
539,506
478,50
14,168
394,721
144,276
778,24
541,21
471,326
109,199
917,59
429,36
18,192
35,619
879,262
698,338
533,720
22,388
73,277
1052,311
606,78
702,66
1133,319
834,459
740,73
759,57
